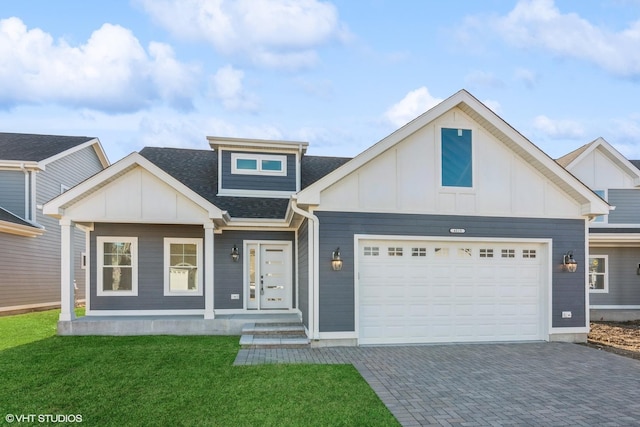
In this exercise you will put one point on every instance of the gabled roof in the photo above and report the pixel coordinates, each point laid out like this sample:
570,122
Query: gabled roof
198,170
493,124
13,224
57,206
608,150
23,147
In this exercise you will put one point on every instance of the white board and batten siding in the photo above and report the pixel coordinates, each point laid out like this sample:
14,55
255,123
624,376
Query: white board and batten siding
406,178
138,196
598,171
438,290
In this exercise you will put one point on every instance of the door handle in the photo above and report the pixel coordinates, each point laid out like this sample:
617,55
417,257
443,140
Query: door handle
261,285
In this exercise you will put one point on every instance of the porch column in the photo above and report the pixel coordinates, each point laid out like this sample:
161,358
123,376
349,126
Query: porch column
208,271
67,291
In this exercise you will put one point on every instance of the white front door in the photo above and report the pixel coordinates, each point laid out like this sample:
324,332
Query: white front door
269,275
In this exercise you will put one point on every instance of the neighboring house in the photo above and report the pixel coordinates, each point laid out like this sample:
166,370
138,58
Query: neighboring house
33,170
614,240
454,228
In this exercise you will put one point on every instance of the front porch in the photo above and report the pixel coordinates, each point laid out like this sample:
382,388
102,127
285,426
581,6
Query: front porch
223,324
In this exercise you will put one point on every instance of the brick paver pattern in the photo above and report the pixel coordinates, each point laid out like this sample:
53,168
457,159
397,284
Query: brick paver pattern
536,384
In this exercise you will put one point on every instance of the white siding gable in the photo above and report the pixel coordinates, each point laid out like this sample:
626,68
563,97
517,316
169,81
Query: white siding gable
137,196
407,178
599,171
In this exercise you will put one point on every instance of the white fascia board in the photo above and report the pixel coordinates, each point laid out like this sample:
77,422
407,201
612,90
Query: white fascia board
20,230
257,144
19,165
97,147
598,239
56,206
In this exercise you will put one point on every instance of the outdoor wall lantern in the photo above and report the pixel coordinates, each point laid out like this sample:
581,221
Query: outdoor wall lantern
336,261
235,255
569,263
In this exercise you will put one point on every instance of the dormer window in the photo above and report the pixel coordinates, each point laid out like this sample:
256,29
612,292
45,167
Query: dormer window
258,164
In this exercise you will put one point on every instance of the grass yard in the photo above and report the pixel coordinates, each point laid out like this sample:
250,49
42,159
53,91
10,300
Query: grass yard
168,380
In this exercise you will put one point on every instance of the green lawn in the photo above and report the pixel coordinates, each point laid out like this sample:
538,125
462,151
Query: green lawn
170,381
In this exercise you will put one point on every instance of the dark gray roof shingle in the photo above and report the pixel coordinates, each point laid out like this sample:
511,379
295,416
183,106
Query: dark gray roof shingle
7,216
35,148
198,170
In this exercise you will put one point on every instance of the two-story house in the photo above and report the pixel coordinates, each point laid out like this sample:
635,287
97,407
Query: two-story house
33,170
453,228
613,268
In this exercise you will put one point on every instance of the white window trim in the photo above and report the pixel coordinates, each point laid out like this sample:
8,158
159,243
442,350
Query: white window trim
605,290
258,158
167,262
100,241
450,189
605,218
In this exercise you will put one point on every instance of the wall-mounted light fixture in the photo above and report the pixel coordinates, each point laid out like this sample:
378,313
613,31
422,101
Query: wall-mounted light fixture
336,261
235,255
569,263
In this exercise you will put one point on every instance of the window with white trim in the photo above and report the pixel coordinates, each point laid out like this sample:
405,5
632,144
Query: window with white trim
117,266
456,158
598,274
182,266
258,164
602,218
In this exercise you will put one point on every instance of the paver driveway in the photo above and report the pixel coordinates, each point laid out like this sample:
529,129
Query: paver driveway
538,384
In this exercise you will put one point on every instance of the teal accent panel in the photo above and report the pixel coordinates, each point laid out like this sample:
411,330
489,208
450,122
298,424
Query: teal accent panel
457,168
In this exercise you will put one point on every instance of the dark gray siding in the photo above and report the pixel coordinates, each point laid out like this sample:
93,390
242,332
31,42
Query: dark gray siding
338,228
627,203
12,189
624,282
30,266
258,182
150,268
228,274
303,271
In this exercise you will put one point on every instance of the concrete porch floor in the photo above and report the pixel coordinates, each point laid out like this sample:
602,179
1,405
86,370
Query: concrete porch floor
223,324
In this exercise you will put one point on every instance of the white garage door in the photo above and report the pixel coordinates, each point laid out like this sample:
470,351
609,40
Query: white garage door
444,291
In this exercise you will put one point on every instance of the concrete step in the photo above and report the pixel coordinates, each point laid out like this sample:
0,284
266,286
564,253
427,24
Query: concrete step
273,335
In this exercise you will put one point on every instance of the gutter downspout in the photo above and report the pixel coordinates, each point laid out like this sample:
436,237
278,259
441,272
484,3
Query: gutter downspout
27,192
314,250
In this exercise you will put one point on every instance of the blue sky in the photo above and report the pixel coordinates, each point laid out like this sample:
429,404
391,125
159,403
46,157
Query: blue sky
338,74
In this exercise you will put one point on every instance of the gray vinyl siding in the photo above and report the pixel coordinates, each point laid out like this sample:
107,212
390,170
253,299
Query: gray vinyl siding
624,282
31,265
12,192
228,274
258,182
150,268
337,229
303,271
627,203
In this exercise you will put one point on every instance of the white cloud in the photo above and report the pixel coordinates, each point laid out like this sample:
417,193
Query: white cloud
227,85
559,129
493,105
540,24
110,72
411,106
272,33
528,77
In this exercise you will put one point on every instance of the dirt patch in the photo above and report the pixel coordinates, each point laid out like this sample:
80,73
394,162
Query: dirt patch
617,337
